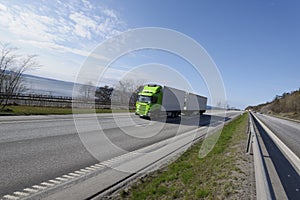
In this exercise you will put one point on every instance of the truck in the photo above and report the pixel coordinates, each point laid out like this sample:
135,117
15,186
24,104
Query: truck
157,100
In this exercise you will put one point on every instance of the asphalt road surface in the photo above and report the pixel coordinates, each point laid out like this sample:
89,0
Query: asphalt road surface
287,131
38,148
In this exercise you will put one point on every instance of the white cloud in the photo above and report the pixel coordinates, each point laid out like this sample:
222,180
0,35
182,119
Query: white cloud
2,7
67,27
103,26
56,47
83,25
110,13
62,33
87,4
26,24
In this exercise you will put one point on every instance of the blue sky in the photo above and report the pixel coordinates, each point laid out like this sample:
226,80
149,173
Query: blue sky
255,44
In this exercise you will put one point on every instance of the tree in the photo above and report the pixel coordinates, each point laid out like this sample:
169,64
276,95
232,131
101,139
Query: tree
12,67
125,92
103,94
88,91
134,96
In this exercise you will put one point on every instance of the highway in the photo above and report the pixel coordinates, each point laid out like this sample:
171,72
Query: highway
287,131
279,140
35,149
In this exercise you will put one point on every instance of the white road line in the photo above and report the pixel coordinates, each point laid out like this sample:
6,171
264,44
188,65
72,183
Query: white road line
30,190
39,187
61,179
67,176
139,125
56,120
47,184
95,167
10,197
131,154
50,183
116,158
33,121
90,169
107,162
54,181
99,165
80,172
73,174
21,194
84,170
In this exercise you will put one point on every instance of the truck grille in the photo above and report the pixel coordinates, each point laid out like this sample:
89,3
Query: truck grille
142,108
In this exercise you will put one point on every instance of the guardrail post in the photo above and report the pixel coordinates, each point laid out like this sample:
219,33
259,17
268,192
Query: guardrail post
250,136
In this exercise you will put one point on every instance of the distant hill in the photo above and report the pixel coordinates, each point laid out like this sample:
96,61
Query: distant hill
285,105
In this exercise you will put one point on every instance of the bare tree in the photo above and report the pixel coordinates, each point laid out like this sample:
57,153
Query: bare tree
12,67
88,90
126,91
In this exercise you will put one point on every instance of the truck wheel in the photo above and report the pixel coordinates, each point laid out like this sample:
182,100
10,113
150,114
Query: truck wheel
154,116
173,115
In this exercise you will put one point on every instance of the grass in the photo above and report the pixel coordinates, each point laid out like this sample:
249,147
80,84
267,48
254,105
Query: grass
38,110
219,175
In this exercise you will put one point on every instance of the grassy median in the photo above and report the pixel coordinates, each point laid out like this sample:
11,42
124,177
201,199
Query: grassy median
222,174
40,110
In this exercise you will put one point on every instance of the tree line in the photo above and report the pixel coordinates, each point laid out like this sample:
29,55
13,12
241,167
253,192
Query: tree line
288,102
124,93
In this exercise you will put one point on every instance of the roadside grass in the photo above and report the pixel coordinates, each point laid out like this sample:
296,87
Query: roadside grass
39,110
222,174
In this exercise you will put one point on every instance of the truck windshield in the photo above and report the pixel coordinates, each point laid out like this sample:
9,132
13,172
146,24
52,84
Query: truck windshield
144,99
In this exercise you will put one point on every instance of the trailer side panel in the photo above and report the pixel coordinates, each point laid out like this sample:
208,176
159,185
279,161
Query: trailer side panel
195,102
173,99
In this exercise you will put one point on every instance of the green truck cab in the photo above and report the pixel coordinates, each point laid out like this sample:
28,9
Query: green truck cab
149,100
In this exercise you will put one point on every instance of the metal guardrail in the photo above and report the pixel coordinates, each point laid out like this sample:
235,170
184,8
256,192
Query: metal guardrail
262,185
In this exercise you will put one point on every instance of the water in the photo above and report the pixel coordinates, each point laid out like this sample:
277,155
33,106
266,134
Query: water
44,86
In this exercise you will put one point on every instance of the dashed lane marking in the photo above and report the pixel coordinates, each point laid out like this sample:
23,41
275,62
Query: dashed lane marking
61,179
68,176
39,187
55,181
90,169
47,184
84,170
79,172
51,183
21,194
55,119
94,167
30,190
75,175
11,197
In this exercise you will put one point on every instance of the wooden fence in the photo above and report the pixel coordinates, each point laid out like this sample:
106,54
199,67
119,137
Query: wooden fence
53,101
